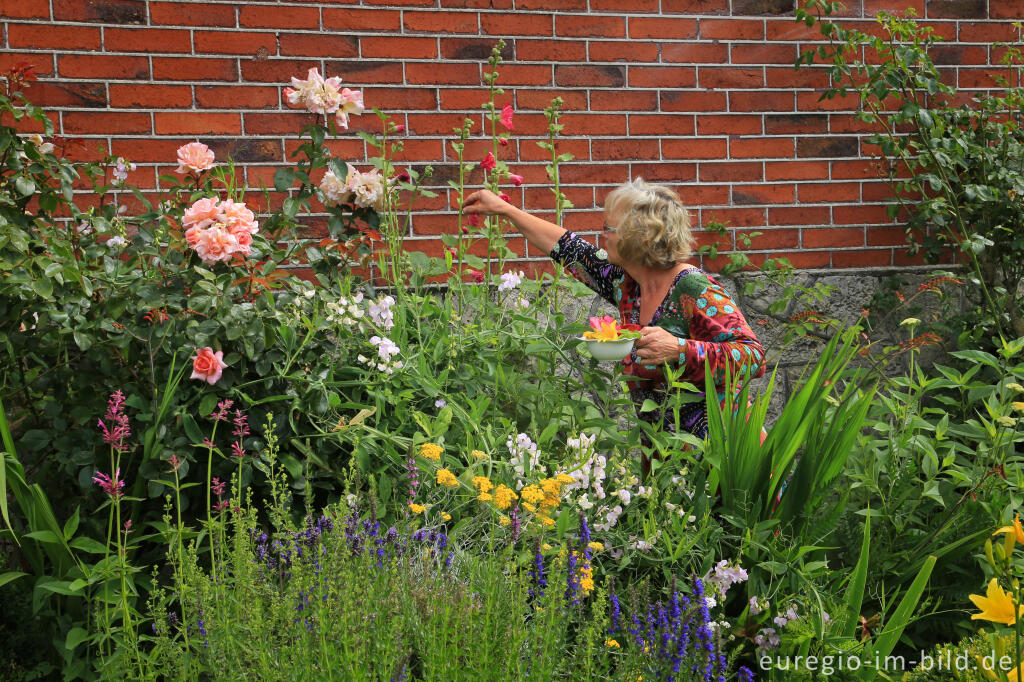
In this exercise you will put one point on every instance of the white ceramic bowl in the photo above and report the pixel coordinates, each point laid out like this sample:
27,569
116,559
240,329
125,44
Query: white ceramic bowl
609,350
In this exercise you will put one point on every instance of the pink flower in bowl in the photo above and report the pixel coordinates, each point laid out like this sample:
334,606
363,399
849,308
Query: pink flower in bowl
194,157
208,365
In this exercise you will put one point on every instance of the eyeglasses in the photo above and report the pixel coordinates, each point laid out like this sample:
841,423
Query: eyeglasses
609,229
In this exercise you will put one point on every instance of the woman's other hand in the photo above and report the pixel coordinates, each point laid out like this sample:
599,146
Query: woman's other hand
656,346
485,202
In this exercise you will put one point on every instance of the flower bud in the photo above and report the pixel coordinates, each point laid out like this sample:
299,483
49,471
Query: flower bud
1009,540
988,554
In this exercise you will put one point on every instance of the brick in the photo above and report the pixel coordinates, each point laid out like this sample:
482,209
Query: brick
148,40
859,169
690,100
406,3
237,42
761,148
790,30
464,98
147,150
734,217
194,69
703,195
541,198
695,6
68,94
631,148
435,124
237,97
476,4
194,123
436,21
363,71
97,123
409,99
668,28
622,51
662,124
661,76
144,95
799,215
24,9
829,192
343,148
958,9
593,173
982,79
731,29
861,215
796,170
886,236
790,78
1006,9
590,26
701,148
523,25
559,5
811,101
590,76
783,124
572,100
447,74
826,146
726,124
67,37
362,20
746,7
269,16
760,100
616,6
804,259
190,14
551,50
763,194
101,11
695,53
397,48
862,259
612,100
525,74
730,171
594,124
103,66
763,54
269,70
768,240
848,123
959,55
729,77
476,49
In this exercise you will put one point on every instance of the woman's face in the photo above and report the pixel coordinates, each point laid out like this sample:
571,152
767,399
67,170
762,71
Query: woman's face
610,236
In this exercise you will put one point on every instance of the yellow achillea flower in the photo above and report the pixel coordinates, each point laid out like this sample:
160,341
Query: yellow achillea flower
595,547
551,486
546,547
504,520
585,572
445,477
532,494
485,497
416,508
479,454
446,516
482,483
996,605
1016,530
564,479
529,507
503,496
550,501
611,644
431,451
1015,387
547,520
1008,422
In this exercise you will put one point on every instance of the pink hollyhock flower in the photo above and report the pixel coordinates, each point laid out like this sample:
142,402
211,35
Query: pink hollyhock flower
194,157
517,180
505,197
207,365
506,116
201,214
473,219
503,141
111,486
488,163
476,275
400,128
215,244
351,104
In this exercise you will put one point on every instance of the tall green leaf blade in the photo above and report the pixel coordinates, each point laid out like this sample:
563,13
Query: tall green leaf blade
890,635
858,581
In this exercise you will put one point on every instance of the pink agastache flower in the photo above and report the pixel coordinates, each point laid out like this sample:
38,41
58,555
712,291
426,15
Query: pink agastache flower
194,157
506,116
112,486
221,414
241,422
488,163
207,365
217,486
119,430
516,180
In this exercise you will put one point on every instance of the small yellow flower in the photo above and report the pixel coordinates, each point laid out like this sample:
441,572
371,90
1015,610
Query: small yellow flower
611,644
550,501
910,322
595,547
416,508
479,454
564,479
547,520
1008,422
431,451
485,497
532,494
996,605
503,496
1019,406
482,483
529,507
446,516
551,486
1014,386
504,520
546,547
1017,530
445,477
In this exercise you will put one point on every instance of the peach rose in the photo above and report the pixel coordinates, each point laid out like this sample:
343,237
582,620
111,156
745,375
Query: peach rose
207,365
201,214
216,244
192,235
237,217
194,157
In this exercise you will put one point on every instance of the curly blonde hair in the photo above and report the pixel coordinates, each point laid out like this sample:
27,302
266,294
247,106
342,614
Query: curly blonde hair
654,226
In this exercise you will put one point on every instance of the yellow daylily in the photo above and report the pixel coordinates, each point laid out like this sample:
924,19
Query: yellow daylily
605,329
1017,530
996,605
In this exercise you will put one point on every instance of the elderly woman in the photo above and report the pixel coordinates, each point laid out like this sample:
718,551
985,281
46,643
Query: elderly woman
687,318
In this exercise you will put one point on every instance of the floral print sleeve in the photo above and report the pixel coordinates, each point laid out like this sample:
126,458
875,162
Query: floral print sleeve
590,265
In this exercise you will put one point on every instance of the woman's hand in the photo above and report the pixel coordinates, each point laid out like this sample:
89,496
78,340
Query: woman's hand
656,346
485,202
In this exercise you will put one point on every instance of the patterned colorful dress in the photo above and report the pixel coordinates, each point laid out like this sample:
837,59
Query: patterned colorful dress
697,311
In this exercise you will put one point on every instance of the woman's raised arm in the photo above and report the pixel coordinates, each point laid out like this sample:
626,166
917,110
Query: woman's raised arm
538,232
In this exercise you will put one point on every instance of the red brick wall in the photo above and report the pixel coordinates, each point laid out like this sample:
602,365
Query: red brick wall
698,94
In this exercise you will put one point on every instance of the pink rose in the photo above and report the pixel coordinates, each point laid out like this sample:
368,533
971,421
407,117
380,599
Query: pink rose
351,103
207,365
488,163
237,217
216,244
195,157
201,214
506,116
517,180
